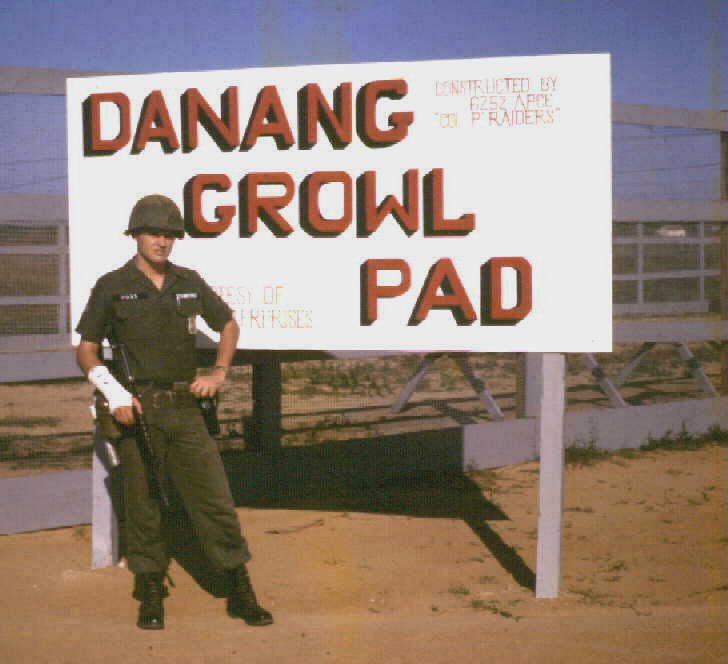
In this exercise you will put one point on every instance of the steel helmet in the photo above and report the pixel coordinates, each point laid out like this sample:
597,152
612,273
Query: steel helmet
158,213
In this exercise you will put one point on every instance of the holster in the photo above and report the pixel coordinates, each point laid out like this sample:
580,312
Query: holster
208,408
108,427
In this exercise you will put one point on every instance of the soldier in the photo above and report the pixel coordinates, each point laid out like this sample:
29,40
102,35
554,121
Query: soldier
150,306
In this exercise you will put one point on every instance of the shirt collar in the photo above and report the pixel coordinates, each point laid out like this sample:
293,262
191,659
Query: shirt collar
138,277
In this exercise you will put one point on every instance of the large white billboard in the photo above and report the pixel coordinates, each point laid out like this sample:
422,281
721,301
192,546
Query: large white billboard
460,205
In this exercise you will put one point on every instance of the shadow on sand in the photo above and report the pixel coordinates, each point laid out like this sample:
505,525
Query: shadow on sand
418,475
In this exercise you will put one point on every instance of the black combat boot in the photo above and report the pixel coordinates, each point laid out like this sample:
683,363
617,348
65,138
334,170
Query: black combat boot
149,590
242,602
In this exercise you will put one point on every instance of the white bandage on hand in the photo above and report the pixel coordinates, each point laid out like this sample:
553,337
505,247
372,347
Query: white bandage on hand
101,378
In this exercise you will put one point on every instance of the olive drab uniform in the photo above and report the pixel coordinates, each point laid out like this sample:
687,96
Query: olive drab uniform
158,330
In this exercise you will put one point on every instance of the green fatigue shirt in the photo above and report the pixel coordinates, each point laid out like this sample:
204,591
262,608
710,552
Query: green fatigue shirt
157,326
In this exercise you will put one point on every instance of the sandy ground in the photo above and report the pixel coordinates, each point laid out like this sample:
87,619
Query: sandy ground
645,578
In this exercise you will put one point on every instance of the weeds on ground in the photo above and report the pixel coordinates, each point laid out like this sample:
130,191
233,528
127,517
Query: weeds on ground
587,453
684,440
486,478
592,597
28,422
355,378
584,454
493,607
458,589
82,532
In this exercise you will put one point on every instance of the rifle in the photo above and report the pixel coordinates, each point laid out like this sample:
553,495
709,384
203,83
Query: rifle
144,440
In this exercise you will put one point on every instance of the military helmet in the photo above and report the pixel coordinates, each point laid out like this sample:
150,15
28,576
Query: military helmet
156,213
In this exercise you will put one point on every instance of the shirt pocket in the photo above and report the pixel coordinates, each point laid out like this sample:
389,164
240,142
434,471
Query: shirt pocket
189,307
136,319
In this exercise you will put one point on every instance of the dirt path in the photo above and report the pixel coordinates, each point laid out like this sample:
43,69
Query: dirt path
645,579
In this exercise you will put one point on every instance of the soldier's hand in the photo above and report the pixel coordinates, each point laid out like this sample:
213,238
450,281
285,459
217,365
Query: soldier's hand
207,386
125,414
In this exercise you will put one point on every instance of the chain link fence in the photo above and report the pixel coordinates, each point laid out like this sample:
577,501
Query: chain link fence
666,268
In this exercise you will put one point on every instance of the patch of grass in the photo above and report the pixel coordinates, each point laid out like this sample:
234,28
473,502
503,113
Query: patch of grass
592,597
29,422
684,440
485,479
334,422
494,608
243,374
628,453
309,390
705,498
584,454
82,532
358,377
458,589
519,485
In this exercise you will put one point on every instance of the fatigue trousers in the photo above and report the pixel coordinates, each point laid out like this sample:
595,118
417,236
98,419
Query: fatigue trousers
192,466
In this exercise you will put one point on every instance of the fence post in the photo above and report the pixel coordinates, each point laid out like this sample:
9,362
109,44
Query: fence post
267,386
529,384
724,296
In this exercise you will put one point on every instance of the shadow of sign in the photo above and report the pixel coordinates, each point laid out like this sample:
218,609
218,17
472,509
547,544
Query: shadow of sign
413,474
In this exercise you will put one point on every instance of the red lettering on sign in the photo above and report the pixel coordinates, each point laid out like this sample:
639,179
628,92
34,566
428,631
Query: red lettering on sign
254,206
371,215
93,143
195,222
399,122
268,119
312,220
493,312
434,216
371,290
224,129
314,109
155,125
443,277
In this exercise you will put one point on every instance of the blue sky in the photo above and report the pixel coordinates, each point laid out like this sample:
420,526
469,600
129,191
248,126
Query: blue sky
664,52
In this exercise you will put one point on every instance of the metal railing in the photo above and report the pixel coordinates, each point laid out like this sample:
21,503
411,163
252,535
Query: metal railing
666,267
34,287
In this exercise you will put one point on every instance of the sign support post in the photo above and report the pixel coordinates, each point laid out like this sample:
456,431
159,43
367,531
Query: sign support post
551,475
104,522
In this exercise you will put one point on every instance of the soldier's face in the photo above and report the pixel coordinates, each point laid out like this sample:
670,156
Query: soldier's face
155,247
